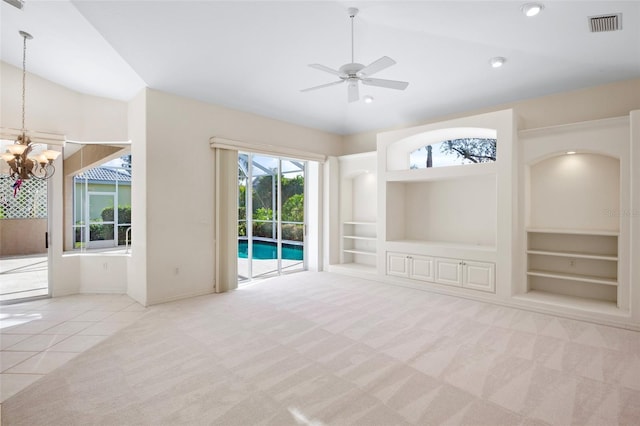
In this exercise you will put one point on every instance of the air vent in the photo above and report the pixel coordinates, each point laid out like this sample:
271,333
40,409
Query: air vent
611,22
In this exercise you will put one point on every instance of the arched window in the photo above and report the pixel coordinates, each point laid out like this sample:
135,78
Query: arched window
454,152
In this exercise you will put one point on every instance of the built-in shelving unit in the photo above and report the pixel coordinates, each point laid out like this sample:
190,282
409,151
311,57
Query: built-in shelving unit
439,211
358,238
575,247
358,204
546,227
578,263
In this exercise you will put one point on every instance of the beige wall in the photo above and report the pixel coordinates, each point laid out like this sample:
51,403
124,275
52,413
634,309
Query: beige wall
22,236
610,100
137,264
173,185
180,184
53,108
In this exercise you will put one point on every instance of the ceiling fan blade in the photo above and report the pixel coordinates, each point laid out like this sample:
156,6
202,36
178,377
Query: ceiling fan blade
354,94
326,69
376,66
323,85
389,84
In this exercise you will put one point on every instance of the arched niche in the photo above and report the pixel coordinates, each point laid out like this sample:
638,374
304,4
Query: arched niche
579,191
358,187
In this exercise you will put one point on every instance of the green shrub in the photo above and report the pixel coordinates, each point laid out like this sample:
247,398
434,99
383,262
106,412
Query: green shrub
292,232
124,216
99,232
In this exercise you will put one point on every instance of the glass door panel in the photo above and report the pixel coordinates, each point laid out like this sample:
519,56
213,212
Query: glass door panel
244,203
101,220
264,210
292,184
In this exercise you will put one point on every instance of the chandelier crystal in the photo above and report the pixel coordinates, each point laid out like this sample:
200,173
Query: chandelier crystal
22,157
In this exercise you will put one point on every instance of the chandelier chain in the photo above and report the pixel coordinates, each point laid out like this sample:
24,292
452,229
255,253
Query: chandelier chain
24,78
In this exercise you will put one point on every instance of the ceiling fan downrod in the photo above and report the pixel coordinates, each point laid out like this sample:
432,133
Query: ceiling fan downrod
352,14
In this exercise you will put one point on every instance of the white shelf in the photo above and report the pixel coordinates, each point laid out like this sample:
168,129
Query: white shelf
573,255
574,277
445,244
358,268
367,253
562,301
360,223
357,237
574,231
441,173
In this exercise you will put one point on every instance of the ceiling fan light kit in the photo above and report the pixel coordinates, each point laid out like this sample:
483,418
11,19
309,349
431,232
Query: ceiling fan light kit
354,73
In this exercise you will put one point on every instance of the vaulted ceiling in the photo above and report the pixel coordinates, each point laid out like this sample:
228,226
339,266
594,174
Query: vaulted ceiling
254,56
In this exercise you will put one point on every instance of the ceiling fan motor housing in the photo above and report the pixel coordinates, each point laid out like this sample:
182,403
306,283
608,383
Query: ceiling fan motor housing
351,70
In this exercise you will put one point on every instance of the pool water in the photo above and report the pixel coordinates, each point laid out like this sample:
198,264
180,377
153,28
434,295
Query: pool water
269,250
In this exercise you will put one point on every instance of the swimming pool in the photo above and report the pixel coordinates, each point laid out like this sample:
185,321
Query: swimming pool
268,250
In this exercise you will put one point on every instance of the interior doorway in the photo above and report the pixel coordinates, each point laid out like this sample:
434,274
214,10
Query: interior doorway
24,254
271,216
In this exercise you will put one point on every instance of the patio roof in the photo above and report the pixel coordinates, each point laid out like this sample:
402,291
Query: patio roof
105,174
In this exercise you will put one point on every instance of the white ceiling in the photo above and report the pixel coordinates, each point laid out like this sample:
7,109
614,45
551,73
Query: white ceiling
253,56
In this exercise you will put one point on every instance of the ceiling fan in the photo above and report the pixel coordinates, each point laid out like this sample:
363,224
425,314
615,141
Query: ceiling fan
353,72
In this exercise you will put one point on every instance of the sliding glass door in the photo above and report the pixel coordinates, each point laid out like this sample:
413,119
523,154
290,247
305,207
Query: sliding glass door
271,219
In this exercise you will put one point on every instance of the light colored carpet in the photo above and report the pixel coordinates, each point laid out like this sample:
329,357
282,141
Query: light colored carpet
325,349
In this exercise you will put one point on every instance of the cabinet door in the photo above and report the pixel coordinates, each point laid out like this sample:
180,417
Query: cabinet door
398,264
449,271
479,276
421,268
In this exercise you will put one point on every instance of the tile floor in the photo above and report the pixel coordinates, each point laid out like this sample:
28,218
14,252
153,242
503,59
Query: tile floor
39,336
23,277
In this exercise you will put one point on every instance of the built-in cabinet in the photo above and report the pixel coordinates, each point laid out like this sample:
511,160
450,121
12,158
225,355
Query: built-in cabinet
440,216
547,226
410,266
452,272
479,275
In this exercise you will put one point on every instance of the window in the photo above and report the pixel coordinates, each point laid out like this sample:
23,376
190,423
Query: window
100,209
454,152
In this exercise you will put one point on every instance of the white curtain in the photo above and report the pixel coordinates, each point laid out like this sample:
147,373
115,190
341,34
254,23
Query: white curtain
226,213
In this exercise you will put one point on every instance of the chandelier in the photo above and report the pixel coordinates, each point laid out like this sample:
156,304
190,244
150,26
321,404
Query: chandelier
22,165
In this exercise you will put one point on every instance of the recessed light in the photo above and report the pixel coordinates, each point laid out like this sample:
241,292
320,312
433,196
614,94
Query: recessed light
368,99
532,9
497,61
570,152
